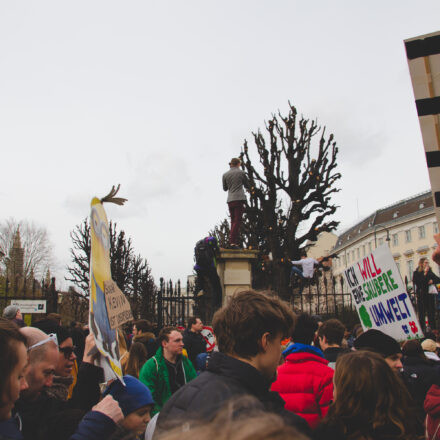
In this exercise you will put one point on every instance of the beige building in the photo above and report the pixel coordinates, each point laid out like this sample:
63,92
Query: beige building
407,226
322,246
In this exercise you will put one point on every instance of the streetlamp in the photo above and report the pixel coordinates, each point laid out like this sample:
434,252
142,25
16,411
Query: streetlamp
375,238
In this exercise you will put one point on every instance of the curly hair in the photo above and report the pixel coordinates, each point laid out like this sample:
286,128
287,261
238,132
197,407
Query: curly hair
370,399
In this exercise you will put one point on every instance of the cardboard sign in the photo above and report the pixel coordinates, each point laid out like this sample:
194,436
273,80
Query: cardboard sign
30,305
118,308
380,296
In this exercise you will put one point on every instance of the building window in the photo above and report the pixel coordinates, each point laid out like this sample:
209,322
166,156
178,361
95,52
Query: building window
380,241
395,239
435,228
363,250
369,246
352,256
348,257
358,252
408,236
344,259
422,232
398,266
410,266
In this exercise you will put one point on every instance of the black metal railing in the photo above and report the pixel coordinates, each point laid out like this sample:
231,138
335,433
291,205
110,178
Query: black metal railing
174,304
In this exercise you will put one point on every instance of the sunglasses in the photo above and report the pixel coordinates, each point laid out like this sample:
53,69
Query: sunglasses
51,337
67,351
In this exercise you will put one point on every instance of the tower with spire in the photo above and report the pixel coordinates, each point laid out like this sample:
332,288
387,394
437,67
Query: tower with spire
15,264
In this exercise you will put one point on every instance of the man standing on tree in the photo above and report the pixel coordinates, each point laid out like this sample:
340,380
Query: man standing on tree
233,181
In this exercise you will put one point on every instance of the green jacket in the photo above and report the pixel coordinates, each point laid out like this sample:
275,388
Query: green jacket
154,374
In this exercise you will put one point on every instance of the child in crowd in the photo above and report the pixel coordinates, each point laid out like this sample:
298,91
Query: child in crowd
136,402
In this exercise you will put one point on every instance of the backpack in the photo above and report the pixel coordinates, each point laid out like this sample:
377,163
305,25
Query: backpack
204,252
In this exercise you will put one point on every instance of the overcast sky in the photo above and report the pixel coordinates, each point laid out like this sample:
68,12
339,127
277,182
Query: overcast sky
159,95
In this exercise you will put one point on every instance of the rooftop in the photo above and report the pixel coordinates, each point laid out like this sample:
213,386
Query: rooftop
393,213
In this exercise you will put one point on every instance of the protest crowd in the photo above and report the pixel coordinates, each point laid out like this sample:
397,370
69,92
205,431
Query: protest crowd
272,373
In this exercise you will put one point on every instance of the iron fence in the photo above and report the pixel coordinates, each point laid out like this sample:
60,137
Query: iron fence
174,303
26,289
324,295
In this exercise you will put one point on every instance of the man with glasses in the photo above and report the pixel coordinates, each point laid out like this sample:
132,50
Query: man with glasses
66,369
48,359
43,359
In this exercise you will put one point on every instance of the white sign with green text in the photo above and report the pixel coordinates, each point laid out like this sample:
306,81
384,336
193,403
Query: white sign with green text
380,295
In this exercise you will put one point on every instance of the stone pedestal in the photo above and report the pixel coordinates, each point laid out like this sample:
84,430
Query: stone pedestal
234,270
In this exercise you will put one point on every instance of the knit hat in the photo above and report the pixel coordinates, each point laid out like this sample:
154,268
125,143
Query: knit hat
10,312
132,396
429,345
377,341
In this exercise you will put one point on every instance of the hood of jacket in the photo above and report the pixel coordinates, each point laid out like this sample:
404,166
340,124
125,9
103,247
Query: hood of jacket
302,348
144,337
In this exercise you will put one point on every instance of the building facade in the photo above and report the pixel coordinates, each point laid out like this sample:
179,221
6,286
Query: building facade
407,226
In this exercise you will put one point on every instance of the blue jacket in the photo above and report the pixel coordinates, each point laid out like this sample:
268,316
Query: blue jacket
94,426
9,430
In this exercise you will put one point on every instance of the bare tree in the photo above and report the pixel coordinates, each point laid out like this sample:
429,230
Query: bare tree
80,251
221,231
131,272
38,253
292,183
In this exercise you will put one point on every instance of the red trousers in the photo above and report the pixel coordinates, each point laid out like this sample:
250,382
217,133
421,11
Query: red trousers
236,210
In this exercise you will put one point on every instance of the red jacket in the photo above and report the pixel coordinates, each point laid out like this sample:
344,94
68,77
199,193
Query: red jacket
305,383
432,409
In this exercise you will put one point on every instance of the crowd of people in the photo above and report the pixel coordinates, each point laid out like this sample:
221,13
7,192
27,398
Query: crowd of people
272,374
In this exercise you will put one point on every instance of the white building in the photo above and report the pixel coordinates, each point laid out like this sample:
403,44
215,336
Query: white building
408,226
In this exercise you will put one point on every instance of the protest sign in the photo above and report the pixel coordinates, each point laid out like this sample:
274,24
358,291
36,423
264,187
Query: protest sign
208,334
380,296
106,336
118,308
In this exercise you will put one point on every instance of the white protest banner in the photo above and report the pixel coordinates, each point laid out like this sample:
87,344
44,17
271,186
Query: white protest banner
380,296
30,305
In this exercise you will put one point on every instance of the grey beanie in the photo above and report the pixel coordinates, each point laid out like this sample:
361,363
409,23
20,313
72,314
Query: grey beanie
10,312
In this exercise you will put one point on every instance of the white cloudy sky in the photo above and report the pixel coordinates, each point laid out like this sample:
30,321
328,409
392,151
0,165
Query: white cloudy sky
159,95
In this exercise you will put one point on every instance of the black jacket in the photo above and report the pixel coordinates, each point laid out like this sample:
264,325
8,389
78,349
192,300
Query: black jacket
419,375
194,344
332,353
224,379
